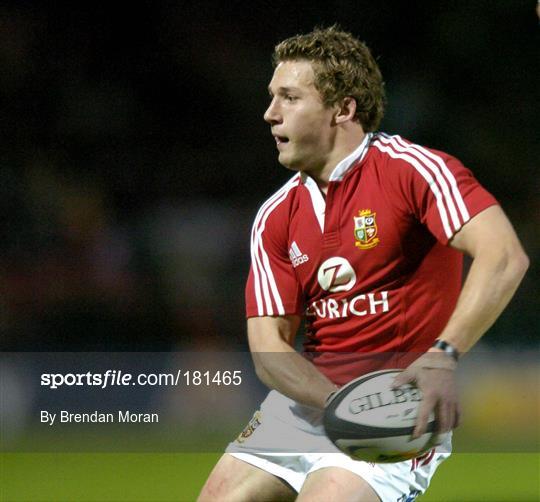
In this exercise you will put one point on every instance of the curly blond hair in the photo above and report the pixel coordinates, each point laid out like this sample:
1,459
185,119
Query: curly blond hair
343,66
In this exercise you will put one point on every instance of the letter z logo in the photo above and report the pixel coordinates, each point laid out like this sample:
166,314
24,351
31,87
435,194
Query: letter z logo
336,274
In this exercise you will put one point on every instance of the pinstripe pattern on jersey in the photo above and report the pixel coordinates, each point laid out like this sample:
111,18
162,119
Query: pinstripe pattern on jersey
266,290
440,179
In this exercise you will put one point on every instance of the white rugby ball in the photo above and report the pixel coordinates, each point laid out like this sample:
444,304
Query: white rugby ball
368,420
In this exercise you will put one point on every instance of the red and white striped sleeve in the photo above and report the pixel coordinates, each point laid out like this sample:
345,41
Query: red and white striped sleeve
272,288
439,190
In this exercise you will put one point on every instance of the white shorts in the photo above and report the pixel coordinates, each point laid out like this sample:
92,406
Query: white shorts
287,440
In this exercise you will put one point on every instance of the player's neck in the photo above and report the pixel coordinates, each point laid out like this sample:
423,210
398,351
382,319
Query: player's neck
344,146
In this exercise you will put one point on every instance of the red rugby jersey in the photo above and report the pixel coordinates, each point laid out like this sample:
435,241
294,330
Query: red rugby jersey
368,265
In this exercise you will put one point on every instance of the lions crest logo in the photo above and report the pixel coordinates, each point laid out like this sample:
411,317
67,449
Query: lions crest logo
250,427
365,229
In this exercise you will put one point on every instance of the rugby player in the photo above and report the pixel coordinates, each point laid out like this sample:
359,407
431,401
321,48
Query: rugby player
365,242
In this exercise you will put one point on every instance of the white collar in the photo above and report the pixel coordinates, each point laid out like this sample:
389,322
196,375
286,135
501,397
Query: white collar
343,166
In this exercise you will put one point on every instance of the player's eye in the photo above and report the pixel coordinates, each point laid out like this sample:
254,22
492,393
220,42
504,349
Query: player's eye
290,98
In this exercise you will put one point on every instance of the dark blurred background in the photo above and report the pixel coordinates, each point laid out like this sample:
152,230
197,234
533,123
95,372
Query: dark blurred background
134,154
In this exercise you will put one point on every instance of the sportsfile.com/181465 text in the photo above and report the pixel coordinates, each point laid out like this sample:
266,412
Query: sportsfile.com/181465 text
112,378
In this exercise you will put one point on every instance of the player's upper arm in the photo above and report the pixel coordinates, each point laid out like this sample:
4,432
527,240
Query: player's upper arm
489,232
272,334
272,288
450,198
433,186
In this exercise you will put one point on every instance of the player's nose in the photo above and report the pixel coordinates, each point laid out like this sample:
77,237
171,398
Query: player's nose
272,115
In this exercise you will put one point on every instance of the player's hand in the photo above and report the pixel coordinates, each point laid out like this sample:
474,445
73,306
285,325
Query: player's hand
434,374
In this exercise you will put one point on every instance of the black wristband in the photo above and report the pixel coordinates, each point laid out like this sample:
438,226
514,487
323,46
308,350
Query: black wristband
447,348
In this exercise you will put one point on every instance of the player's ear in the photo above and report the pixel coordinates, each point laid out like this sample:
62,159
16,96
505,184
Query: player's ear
346,110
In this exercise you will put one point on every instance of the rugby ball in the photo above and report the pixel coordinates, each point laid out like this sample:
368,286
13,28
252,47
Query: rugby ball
368,420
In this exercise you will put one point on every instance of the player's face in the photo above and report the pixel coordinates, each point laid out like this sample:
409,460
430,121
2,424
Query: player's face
301,124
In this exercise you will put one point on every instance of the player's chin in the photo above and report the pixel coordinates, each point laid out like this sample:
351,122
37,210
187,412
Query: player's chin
286,162
289,162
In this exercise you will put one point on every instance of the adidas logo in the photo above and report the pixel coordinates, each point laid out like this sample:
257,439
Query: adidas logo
296,256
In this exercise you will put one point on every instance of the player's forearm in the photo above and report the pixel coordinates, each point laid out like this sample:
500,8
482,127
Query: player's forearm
280,367
491,282
294,376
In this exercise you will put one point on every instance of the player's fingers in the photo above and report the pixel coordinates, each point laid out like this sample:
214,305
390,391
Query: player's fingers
452,413
445,416
423,415
402,379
